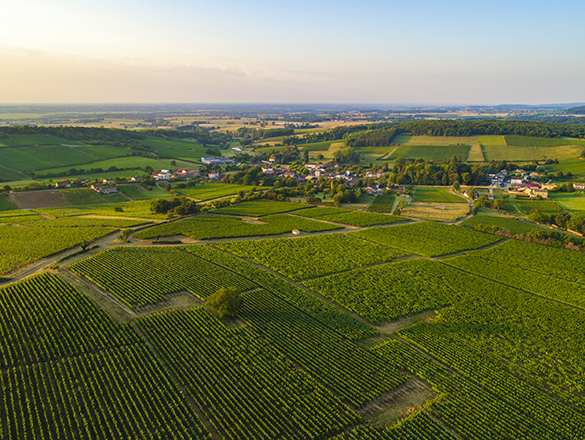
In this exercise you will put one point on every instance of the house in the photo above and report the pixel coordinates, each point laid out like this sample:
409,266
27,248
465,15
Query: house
273,159
534,192
311,166
161,175
214,175
135,179
296,232
549,185
185,172
108,181
516,181
103,189
579,186
63,184
534,175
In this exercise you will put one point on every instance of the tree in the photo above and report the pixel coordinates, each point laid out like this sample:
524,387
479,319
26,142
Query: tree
225,302
306,155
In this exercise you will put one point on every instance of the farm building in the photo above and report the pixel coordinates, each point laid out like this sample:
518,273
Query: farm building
103,189
63,184
536,192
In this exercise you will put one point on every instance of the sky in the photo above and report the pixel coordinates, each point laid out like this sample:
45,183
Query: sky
417,52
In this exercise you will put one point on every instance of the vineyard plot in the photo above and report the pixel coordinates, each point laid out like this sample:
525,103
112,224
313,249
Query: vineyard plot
311,257
44,318
246,389
140,276
393,290
428,238
322,311
204,227
349,217
117,393
351,372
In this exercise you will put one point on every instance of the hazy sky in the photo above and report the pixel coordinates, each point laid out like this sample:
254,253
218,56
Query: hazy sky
403,52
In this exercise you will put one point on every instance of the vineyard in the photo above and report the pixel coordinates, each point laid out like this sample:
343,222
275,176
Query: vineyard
260,208
141,276
392,290
428,238
352,373
205,227
312,257
327,343
246,389
494,265
47,241
44,319
382,204
352,218
512,225
210,191
311,305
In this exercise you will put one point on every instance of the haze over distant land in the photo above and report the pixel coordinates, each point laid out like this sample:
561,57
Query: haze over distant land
448,52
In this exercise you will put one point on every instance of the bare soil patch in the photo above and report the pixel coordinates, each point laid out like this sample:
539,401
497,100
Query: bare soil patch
39,199
400,403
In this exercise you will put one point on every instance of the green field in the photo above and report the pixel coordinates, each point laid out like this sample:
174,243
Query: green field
339,337
83,196
5,204
427,238
120,162
179,148
260,208
547,206
573,202
16,251
138,192
526,141
208,191
9,175
513,225
382,204
204,227
155,273
492,140
35,139
329,254
520,154
349,217
436,195
428,152
135,209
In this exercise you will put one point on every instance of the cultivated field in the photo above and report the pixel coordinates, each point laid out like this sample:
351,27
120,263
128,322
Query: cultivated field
39,199
428,152
339,334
